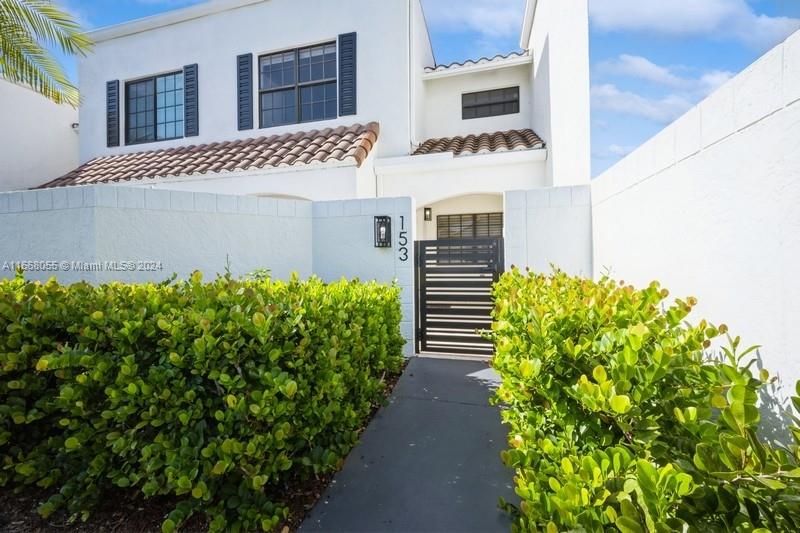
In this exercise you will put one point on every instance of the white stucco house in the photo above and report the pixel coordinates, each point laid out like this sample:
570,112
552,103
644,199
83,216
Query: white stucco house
297,135
30,126
277,133
256,97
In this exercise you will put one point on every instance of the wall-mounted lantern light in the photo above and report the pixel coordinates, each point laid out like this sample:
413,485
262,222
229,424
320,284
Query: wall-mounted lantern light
428,214
383,232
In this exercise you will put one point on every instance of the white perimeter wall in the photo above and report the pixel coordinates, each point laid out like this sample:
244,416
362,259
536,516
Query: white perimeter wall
559,44
188,231
37,142
549,227
344,238
709,207
183,231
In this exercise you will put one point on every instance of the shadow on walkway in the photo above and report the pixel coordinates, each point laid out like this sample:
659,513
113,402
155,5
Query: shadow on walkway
428,462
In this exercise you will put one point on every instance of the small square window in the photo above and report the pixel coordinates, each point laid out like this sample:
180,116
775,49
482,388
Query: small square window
493,103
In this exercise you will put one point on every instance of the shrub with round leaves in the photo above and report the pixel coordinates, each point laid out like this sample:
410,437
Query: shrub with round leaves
217,393
623,418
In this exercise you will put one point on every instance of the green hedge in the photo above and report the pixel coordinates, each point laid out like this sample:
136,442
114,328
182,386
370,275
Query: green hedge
620,419
218,393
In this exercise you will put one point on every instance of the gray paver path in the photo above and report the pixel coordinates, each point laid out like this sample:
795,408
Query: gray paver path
428,462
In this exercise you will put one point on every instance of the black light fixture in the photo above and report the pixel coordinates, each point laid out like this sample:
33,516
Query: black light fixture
428,214
383,232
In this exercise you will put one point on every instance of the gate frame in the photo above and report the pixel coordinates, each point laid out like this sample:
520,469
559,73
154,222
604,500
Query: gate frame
420,299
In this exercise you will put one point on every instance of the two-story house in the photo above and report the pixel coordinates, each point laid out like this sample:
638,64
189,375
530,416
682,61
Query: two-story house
321,100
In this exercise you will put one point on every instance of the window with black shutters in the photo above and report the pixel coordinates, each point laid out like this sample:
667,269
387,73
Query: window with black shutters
490,103
298,86
473,226
154,109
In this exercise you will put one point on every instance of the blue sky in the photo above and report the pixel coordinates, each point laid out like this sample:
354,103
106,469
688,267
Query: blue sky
651,59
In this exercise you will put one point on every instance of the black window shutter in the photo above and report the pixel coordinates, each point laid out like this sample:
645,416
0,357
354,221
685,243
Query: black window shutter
347,74
244,91
190,108
112,113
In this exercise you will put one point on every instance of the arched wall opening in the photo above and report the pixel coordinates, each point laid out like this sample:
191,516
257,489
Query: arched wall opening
465,204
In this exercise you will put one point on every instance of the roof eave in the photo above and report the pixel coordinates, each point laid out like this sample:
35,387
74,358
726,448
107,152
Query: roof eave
527,24
444,161
523,59
167,19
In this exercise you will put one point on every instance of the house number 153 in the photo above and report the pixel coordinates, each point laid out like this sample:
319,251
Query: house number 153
403,240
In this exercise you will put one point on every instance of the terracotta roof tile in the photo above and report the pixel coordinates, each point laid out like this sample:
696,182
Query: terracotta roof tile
317,146
501,141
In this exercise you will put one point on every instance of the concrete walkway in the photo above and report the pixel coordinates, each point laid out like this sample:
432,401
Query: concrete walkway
428,462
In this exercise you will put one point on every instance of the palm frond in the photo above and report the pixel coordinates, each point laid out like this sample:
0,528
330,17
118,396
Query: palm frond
24,61
49,24
26,28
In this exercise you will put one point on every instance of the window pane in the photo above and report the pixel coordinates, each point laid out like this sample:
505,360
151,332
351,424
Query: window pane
330,91
330,109
278,108
140,125
330,69
317,71
318,102
277,70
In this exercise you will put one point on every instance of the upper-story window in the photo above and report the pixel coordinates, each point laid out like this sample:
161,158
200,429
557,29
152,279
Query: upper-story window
154,108
490,103
298,86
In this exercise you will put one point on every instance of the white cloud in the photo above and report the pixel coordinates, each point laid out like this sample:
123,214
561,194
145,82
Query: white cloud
621,151
491,18
642,68
79,13
713,80
610,98
667,76
717,19
684,90
613,151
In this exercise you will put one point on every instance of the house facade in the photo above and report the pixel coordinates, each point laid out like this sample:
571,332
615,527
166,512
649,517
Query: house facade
32,125
321,100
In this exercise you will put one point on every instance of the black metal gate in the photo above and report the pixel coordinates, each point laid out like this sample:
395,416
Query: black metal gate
454,299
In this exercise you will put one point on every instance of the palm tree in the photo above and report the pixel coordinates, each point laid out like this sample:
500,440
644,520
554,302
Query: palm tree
27,28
